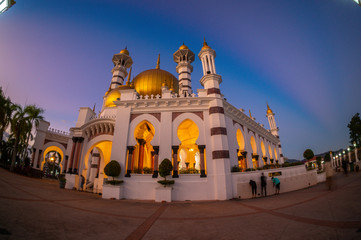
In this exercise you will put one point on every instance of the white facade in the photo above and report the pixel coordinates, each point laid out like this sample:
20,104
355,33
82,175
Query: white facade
200,132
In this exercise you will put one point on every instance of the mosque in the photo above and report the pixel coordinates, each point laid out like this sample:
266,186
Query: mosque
157,116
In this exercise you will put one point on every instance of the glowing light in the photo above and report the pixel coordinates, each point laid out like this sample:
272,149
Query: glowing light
6,4
191,150
358,2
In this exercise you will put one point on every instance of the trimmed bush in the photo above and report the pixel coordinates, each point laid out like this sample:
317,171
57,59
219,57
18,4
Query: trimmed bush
235,168
165,168
112,169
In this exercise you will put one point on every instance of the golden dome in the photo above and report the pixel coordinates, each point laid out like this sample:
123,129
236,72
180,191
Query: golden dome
113,95
124,51
183,47
150,82
269,111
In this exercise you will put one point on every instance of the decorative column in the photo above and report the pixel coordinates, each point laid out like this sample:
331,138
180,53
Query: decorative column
175,161
77,155
75,140
141,154
94,165
65,163
332,159
129,160
39,159
244,155
356,154
202,165
155,160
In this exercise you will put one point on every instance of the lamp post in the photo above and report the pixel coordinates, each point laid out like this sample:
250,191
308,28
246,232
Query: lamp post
5,5
358,2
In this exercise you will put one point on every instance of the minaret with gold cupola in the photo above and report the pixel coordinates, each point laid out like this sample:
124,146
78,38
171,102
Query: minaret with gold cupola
210,80
272,122
122,61
184,57
274,130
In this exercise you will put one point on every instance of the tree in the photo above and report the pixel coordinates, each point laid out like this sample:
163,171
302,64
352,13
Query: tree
6,110
308,154
34,116
112,169
19,128
318,161
355,129
327,157
165,168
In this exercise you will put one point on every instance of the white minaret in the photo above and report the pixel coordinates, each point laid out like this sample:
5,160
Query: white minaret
210,79
184,57
217,124
272,122
121,61
274,130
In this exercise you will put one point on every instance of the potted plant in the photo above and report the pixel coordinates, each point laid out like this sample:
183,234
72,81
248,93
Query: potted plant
164,194
112,188
62,180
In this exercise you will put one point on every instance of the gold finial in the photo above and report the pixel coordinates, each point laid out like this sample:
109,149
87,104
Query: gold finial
125,51
205,45
269,111
158,62
250,115
130,73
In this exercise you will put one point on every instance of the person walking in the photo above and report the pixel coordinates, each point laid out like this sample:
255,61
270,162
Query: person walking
277,184
329,174
254,188
82,181
264,185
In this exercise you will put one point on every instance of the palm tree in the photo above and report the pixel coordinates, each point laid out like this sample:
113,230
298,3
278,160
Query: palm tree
19,126
34,115
6,110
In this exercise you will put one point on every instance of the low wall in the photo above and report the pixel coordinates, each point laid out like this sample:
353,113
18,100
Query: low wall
186,187
291,178
321,177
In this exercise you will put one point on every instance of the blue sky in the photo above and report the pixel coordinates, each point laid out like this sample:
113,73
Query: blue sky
302,57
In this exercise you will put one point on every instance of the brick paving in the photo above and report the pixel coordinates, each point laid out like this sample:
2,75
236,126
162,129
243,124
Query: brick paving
39,209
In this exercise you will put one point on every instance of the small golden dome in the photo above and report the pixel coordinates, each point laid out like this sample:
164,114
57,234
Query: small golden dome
205,45
183,47
151,81
112,96
269,111
124,51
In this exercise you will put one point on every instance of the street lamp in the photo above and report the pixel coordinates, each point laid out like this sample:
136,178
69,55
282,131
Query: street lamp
358,2
6,4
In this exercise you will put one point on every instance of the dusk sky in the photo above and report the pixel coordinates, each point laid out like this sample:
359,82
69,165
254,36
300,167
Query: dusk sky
302,57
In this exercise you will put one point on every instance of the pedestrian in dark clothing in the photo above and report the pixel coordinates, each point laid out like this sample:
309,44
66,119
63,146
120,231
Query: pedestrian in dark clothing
344,166
254,187
82,181
264,185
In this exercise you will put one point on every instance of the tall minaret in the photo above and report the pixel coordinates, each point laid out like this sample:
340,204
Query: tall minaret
274,130
210,79
121,61
272,122
219,146
184,57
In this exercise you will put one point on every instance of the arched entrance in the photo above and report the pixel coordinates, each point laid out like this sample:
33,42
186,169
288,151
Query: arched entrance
264,157
96,158
241,154
142,161
270,154
189,159
52,162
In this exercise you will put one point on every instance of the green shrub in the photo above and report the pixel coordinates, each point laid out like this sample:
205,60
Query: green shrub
147,170
308,154
112,169
235,168
61,178
114,182
188,171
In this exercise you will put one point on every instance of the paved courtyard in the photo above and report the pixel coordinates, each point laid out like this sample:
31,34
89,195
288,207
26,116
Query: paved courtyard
39,209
